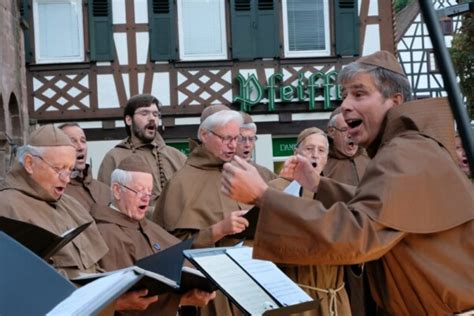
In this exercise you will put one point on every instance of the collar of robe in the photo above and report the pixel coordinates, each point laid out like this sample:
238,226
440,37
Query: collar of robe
202,158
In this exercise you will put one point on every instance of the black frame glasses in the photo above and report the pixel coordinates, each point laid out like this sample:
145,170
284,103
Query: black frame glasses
140,194
226,139
62,174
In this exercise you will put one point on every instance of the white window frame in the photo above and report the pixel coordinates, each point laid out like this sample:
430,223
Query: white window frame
308,53
42,60
183,56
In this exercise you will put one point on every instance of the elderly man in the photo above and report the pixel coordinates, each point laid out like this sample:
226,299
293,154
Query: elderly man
346,160
192,203
142,117
411,216
346,163
246,144
34,193
324,282
83,187
130,236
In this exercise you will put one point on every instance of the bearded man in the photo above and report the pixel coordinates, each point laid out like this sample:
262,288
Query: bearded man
142,118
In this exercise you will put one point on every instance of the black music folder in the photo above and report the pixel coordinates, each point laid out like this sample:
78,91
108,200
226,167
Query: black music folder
256,287
39,240
161,272
249,232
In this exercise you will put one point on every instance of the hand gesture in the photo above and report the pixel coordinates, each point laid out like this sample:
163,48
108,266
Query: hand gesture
197,298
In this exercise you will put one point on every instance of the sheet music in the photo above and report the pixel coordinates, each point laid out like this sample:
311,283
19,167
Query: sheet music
270,277
237,283
88,299
293,188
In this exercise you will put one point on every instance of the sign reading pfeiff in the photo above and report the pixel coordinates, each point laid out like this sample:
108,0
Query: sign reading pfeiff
319,84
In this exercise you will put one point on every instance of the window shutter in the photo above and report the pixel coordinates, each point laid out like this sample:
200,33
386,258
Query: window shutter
347,27
161,30
100,30
243,29
267,40
25,13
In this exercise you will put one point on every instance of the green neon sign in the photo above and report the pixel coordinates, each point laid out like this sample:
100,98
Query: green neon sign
251,91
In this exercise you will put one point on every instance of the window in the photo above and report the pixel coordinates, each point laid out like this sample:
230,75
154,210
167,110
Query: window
58,31
202,30
306,28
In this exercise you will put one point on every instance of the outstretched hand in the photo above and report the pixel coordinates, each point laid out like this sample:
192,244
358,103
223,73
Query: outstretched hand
300,169
242,182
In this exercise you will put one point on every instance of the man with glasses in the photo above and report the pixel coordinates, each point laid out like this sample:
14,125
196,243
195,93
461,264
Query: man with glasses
130,236
83,187
346,160
34,192
192,203
142,118
246,144
346,163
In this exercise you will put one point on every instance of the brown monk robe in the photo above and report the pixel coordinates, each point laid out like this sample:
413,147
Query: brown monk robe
164,161
345,169
322,277
191,203
43,204
88,191
130,240
411,218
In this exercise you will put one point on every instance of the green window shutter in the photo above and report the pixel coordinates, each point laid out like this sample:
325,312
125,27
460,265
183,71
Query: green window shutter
25,12
243,29
347,27
100,30
161,30
267,29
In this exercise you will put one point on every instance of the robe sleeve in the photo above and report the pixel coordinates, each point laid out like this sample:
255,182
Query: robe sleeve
298,231
202,238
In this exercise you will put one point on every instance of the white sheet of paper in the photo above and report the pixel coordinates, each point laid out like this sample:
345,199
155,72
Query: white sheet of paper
270,277
87,300
237,283
293,188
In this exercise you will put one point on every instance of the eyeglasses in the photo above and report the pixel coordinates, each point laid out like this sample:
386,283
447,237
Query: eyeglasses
62,174
146,113
342,130
226,139
140,194
250,139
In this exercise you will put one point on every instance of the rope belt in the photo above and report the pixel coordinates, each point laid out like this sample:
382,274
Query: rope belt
332,296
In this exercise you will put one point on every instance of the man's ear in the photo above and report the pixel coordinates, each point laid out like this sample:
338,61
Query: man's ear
28,163
128,120
331,131
398,99
116,191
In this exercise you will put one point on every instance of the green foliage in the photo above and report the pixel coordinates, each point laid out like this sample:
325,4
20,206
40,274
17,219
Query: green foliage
462,54
400,4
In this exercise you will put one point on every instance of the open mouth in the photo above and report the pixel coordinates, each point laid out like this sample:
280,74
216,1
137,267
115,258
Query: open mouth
246,153
314,164
353,123
143,208
80,157
150,127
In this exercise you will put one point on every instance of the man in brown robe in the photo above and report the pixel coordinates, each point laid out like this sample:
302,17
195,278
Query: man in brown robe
192,203
321,282
411,216
83,187
130,236
246,144
142,118
346,163
34,193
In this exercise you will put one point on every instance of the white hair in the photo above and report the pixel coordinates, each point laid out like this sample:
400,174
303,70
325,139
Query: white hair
220,118
332,121
251,126
121,177
28,149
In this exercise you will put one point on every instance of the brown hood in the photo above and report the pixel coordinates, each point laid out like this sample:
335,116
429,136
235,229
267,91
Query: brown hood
19,179
412,116
336,154
128,143
202,158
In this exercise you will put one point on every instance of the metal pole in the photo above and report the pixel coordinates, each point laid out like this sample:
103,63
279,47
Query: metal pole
450,83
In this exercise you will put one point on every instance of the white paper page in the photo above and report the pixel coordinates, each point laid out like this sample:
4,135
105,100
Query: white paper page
270,277
88,299
293,188
237,283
